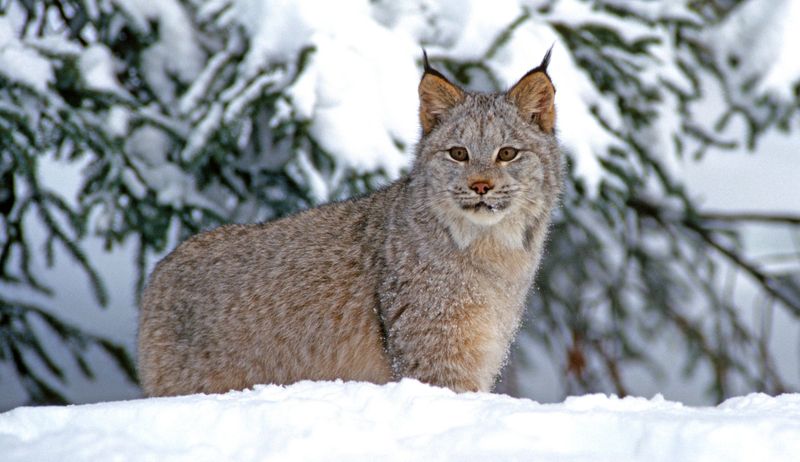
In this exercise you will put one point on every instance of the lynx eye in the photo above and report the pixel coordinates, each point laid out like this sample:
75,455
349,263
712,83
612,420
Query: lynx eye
507,154
459,153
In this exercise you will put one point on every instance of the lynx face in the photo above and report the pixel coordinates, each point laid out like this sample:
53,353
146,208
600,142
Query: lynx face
489,158
484,162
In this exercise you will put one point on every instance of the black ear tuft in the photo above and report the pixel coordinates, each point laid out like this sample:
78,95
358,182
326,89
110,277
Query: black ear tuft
546,60
425,61
430,70
542,67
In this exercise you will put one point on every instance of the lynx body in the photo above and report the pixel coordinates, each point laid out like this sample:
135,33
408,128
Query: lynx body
426,278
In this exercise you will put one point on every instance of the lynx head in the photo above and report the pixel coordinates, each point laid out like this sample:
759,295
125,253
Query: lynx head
489,158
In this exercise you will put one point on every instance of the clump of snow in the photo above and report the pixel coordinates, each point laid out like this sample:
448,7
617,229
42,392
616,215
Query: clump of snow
148,147
176,53
118,120
358,88
757,39
21,63
98,69
402,421
302,168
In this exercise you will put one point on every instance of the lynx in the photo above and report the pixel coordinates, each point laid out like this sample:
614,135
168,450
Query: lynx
426,278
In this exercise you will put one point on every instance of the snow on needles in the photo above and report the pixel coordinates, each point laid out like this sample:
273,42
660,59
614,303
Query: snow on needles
757,39
402,421
355,89
20,63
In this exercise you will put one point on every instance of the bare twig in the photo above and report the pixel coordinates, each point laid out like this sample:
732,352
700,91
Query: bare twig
612,367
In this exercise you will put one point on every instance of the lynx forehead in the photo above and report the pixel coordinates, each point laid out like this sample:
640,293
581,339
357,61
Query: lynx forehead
425,278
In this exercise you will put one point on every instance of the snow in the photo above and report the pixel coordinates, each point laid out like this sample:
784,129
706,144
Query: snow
177,52
148,147
758,38
359,86
21,63
317,186
402,421
358,91
118,120
98,69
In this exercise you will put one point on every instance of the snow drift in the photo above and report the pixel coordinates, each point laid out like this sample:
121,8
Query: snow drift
402,421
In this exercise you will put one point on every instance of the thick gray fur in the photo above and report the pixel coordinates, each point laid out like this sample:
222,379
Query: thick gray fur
425,278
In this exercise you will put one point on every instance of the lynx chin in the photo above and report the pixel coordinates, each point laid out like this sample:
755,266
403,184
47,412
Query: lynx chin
426,278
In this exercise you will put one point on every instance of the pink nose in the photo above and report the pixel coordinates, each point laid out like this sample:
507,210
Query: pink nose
481,187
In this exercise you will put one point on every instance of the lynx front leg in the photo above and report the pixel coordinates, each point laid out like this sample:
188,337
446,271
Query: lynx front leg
446,351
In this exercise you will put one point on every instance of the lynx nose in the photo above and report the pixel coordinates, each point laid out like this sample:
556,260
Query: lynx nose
481,187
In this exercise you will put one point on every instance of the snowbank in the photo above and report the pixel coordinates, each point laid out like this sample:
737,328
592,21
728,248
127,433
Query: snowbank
402,421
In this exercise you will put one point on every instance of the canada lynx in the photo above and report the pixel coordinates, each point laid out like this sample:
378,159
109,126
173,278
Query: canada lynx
425,278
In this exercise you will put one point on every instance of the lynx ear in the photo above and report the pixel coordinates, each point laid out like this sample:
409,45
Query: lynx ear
436,96
534,96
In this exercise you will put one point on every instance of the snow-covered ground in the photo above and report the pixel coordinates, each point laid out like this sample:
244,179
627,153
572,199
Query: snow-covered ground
402,421
362,79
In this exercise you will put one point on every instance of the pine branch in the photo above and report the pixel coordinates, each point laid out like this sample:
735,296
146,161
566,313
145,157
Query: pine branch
17,336
757,217
769,284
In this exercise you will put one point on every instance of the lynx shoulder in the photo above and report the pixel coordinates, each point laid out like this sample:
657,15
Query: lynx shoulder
426,278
